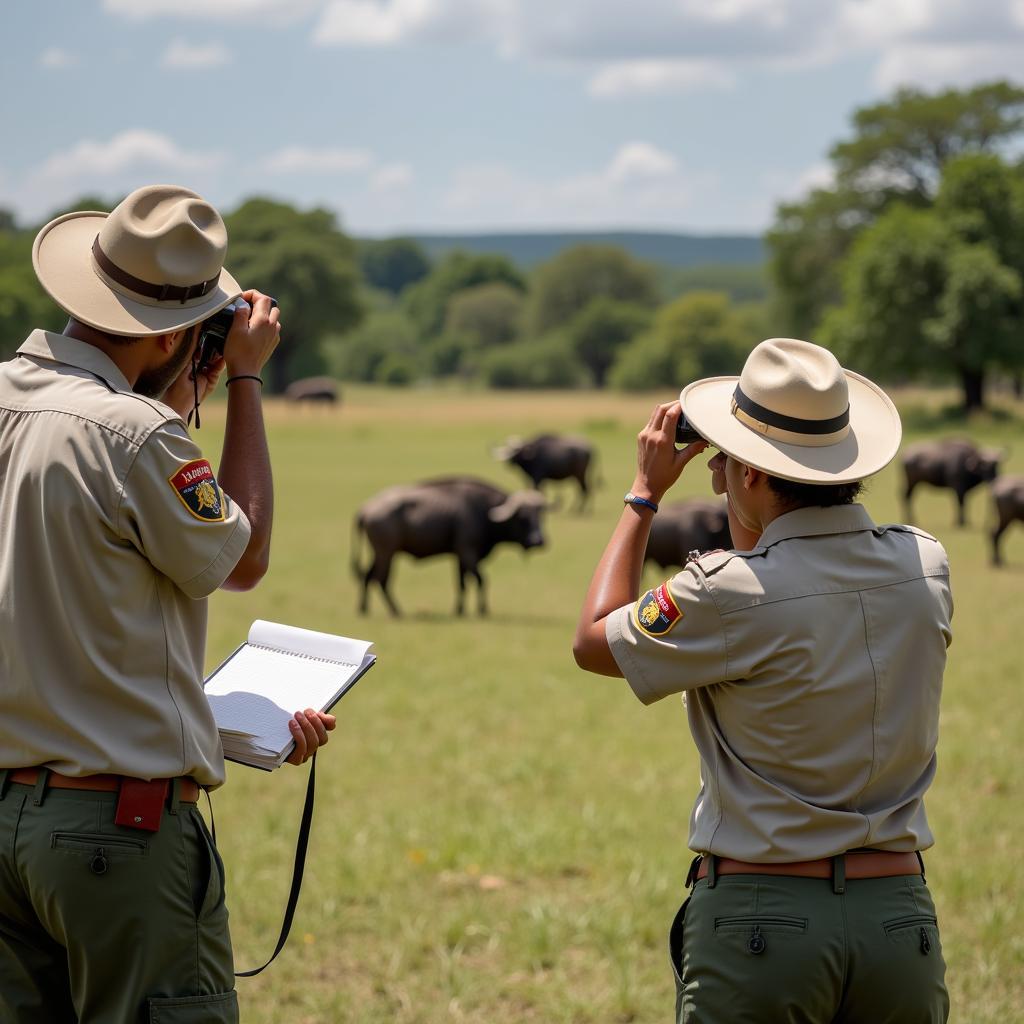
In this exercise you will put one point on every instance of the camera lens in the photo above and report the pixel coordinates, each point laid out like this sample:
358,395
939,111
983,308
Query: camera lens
685,433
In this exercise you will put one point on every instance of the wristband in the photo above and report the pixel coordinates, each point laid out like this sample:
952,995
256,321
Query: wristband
243,376
635,499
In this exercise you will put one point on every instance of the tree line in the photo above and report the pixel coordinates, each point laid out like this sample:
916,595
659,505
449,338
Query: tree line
910,266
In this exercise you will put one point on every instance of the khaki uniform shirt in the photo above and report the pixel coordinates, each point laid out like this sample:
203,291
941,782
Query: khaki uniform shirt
113,532
812,667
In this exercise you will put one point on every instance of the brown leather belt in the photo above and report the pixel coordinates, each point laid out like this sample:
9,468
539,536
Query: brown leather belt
861,864
188,789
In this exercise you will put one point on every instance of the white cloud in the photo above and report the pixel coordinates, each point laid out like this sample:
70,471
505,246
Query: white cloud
928,66
211,10
184,56
392,177
639,185
55,59
640,160
658,77
393,22
310,160
368,23
134,150
668,46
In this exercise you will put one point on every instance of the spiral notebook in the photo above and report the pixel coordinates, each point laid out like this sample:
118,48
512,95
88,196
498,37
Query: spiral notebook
276,672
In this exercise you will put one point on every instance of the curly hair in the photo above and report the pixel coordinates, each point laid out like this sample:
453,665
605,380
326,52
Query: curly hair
798,495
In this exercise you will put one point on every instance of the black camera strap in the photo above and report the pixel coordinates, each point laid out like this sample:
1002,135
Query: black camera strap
297,870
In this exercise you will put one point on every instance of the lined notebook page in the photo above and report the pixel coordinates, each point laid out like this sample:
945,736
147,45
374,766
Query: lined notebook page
281,669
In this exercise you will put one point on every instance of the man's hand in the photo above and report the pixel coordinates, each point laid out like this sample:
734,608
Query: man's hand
659,462
309,730
253,336
184,389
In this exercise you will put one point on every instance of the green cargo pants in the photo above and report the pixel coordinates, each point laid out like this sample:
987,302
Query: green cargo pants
765,949
101,924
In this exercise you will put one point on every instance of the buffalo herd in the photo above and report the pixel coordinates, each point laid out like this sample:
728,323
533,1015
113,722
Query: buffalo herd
467,518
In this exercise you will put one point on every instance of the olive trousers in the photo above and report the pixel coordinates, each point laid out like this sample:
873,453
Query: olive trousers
101,924
769,949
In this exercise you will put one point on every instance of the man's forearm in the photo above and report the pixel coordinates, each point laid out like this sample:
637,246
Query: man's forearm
615,583
245,472
616,579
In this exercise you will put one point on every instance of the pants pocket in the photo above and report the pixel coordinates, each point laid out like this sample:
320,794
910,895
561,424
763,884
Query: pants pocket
221,1008
209,898
675,954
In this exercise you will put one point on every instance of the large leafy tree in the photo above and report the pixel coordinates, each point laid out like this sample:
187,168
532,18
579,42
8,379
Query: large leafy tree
426,302
24,305
392,264
565,286
307,263
897,153
939,289
600,329
697,335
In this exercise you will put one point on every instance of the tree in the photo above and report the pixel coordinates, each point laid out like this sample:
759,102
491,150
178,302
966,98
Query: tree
306,263
24,305
426,302
698,335
600,329
488,314
896,154
535,363
924,296
392,263
563,287
383,348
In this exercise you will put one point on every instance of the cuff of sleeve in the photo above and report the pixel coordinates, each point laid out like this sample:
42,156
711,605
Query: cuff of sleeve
620,644
220,568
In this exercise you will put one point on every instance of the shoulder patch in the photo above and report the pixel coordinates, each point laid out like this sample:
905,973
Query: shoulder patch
199,491
657,612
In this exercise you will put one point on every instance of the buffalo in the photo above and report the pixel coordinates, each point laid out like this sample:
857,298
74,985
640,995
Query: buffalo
549,457
1008,500
459,516
312,389
686,526
955,464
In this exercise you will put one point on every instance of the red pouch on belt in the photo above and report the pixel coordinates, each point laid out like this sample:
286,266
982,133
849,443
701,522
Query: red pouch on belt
140,804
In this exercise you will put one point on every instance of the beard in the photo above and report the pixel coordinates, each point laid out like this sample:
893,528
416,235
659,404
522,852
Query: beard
153,383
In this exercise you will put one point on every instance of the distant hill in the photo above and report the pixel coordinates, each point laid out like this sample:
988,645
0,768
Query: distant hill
529,248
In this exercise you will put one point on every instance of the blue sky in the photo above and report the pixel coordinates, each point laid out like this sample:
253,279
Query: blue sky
469,115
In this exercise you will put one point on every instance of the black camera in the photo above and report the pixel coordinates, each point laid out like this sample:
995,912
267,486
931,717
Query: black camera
214,332
685,433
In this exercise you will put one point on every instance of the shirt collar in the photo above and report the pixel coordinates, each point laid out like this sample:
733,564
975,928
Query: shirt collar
817,522
59,348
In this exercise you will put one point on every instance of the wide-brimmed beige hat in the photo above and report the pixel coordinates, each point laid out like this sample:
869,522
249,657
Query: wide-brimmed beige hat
795,413
152,265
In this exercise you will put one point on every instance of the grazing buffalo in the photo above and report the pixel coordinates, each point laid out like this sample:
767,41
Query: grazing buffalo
685,526
549,457
458,516
312,389
954,463
1008,499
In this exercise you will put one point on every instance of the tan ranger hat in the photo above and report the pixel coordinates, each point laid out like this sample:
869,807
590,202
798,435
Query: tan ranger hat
795,413
153,265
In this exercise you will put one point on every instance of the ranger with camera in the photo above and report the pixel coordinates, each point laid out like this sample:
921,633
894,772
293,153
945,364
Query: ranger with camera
114,529
811,657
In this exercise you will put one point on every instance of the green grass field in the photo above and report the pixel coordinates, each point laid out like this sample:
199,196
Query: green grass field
500,837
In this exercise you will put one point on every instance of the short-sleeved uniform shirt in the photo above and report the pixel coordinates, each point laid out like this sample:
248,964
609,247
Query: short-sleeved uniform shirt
812,667
113,531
